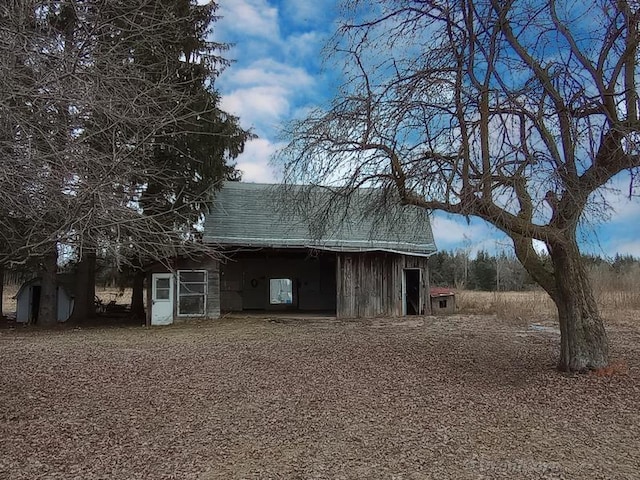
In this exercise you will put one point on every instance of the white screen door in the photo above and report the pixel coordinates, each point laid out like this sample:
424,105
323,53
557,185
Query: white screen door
162,299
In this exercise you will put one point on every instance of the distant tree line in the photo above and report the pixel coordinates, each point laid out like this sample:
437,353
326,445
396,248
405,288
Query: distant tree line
503,271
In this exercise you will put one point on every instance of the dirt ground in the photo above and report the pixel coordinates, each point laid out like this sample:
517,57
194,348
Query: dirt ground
262,398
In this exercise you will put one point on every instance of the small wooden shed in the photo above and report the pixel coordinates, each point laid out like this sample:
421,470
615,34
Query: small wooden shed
28,298
443,300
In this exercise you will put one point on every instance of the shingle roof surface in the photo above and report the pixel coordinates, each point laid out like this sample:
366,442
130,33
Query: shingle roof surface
266,215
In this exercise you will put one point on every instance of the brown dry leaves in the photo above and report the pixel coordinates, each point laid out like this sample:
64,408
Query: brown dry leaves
458,397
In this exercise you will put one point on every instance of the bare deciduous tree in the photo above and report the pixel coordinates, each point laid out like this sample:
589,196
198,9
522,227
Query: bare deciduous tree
517,112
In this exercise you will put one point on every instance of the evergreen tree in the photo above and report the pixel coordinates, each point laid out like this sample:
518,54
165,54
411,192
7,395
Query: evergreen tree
483,272
112,135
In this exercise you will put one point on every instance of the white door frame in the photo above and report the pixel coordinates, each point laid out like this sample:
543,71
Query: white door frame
162,308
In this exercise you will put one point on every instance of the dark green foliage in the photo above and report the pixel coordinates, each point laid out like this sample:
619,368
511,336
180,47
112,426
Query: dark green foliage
193,153
448,269
111,132
483,272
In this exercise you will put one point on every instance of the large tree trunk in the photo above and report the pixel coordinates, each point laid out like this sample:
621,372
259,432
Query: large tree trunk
583,344
83,306
137,296
47,314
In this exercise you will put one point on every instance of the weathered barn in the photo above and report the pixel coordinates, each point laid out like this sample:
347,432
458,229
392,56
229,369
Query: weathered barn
349,259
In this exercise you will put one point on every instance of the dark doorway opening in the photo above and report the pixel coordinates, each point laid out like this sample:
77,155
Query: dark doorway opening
412,291
35,304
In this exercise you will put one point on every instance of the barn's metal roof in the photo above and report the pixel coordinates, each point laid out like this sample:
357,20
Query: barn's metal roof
266,215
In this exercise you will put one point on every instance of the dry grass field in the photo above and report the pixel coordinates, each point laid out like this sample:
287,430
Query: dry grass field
620,307
459,397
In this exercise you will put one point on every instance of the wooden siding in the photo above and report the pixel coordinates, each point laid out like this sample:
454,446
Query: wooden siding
354,285
370,284
449,302
421,263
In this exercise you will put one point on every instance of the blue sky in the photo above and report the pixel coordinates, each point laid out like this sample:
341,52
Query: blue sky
279,74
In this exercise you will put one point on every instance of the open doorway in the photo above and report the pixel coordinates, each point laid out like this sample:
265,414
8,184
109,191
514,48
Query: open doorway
35,304
411,297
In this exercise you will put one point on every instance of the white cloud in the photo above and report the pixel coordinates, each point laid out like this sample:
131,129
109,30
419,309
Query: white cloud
305,46
276,47
254,18
254,162
453,232
540,247
264,94
616,195
625,208
260,107
267,71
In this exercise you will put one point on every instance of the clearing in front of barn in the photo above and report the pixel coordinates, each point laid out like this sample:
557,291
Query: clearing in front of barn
251,398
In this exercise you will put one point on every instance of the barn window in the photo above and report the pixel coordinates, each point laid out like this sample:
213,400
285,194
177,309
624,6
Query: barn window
192,292
443,303
281,291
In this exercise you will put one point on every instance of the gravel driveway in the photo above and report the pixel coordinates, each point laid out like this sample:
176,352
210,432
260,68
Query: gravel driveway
258,398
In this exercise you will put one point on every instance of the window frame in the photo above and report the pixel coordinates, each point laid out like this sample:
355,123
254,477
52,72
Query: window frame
290,292
204,294
166,289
